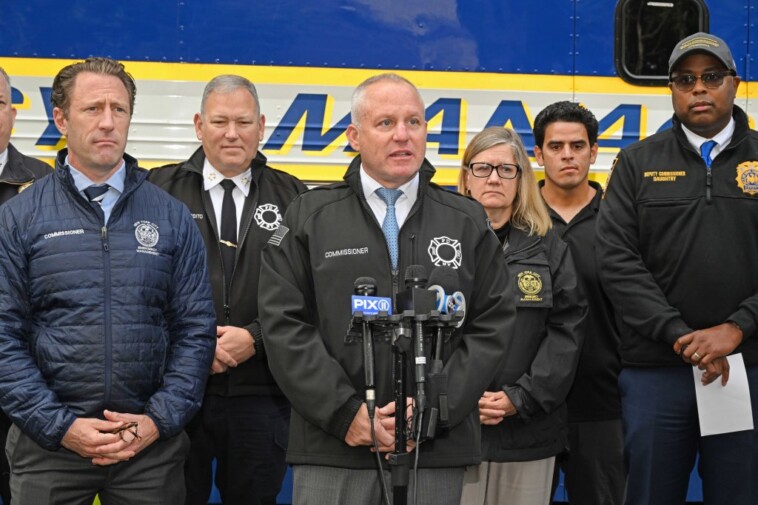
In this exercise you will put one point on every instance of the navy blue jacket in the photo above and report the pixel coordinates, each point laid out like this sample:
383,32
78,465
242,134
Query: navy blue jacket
98,316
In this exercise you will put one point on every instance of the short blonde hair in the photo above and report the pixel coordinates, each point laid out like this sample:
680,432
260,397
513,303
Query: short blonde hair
529,210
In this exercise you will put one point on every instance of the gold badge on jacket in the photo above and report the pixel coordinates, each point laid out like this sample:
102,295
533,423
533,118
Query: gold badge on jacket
530,283
747,177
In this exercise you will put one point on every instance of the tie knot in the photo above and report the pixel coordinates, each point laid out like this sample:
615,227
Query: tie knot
228,184
96,193
389,196
705,151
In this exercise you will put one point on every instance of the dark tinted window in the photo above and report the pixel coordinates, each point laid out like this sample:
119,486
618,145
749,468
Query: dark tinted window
646,32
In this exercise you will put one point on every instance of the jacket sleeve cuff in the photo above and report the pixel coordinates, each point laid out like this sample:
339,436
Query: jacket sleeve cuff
675,330
521,401
343,418
744,322
257,332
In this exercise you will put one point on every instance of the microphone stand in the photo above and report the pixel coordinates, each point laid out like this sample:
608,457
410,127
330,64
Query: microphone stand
399,459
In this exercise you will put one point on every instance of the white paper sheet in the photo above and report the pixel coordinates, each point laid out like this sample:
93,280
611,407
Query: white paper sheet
724,409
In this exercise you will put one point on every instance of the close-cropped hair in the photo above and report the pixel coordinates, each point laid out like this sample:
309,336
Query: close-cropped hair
6,77
530,213
226,84
565,112
63,84
356,101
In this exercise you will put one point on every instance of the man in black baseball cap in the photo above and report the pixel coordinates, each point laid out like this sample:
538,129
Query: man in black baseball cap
674,235
702,43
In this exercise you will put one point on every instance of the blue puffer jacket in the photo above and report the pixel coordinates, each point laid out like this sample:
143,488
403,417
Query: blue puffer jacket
94,316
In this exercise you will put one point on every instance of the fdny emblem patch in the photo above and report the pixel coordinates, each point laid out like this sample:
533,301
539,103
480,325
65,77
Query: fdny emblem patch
445,252
747,177
530,283
267,216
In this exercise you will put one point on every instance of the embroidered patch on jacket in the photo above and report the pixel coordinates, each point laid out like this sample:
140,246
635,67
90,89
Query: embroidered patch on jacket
278,236
747,177
530,283
267,216
664,175
147,235
445,251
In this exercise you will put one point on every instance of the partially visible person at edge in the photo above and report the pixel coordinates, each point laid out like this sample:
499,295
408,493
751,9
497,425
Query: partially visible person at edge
677,250
332,235
523,412
565,135
244,419
107,334
17,172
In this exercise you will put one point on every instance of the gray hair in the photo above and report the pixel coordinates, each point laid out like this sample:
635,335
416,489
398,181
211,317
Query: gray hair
356,102
5,76
226,84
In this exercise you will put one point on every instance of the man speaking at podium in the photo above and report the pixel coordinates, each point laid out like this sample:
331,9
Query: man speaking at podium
384,216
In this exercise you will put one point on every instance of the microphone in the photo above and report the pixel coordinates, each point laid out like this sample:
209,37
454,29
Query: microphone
365,303
444,280
419,302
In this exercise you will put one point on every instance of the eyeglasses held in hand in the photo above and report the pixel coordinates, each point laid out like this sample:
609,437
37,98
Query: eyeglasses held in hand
711,80
127,432
504,171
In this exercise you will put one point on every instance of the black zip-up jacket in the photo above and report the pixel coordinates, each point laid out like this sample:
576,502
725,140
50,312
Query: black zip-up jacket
329,238
271,191
677,243
538,371
594,395
19,173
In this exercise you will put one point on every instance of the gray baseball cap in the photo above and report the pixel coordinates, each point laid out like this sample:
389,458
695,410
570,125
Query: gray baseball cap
702,43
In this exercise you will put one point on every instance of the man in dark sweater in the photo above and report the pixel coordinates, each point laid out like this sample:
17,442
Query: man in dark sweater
566,145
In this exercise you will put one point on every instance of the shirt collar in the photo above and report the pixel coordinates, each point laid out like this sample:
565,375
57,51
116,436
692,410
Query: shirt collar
722,138
212,178
81,181
370,185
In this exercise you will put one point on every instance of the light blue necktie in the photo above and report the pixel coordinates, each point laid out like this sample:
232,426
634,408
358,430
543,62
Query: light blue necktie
705,152
389,226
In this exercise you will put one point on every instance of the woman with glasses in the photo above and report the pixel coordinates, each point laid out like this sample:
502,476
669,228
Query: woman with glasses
523,412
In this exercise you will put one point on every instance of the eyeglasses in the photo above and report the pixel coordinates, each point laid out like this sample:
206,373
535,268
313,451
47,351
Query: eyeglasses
711,80
504,171
127,432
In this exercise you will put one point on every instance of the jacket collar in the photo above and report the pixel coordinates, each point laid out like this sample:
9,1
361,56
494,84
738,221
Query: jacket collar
16,171
197,160
353,176
518,242
741,129
134,174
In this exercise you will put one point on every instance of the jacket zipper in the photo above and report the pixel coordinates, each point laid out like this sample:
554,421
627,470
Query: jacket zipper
107,312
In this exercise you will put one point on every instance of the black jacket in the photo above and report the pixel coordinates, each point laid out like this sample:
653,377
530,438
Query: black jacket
271,191
19,173
538,371
329,238
594,395
677,248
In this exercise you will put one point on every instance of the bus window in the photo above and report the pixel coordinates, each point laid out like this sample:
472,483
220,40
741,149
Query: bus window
646,32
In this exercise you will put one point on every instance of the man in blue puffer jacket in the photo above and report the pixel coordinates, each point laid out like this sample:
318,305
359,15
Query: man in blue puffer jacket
107,330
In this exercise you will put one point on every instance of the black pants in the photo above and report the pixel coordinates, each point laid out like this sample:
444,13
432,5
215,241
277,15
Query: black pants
5,470
247,435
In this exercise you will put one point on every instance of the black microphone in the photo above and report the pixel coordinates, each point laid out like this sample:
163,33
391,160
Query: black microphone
366,287
417,302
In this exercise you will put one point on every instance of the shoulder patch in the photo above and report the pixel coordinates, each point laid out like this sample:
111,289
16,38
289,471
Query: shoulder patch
747,177
278,235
